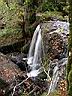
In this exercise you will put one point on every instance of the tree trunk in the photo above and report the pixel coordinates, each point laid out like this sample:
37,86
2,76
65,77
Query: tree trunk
69,66
30,15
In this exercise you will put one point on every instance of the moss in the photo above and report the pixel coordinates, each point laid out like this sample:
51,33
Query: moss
52,14
68,70
44,94
55,93
45,62
69,65
70,90
43,75
25,94
70,77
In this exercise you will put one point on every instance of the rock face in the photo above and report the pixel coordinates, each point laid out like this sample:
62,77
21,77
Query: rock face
8,72
54,46
54,40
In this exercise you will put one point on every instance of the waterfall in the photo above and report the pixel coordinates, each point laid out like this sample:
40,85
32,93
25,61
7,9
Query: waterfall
33,42
60,65
34,56
57,72
37,53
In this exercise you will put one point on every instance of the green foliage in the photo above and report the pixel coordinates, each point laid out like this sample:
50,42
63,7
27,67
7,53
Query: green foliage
55,6
48,7
66,8
55,93
10,16
52,14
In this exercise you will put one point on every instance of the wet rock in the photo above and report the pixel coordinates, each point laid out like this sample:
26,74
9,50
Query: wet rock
6,48
54,35
8,73
25,48
17,58
53,45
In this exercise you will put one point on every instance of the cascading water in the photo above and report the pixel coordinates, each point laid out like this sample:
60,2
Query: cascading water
60,65
32,46
57,72
55,79
34,56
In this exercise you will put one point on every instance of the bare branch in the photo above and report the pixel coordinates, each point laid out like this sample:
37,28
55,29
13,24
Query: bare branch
18,85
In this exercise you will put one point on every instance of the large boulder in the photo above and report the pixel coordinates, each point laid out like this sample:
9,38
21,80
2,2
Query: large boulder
8,74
